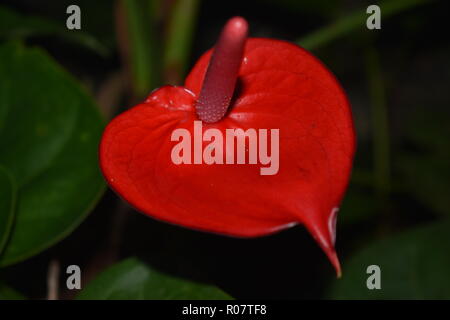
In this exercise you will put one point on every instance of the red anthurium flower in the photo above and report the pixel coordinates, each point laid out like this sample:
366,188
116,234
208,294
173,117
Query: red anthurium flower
176,157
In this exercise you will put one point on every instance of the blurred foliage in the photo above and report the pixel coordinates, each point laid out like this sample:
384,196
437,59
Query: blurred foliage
134,280
180,33
425,165
139,44
16,26
353,21
414,265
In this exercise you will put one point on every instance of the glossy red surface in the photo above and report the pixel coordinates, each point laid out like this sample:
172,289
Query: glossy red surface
280,85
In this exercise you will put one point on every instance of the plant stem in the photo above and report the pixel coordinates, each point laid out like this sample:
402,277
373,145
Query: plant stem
53,280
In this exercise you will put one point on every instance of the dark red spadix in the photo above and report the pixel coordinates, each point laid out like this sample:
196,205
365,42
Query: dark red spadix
285,94
220,79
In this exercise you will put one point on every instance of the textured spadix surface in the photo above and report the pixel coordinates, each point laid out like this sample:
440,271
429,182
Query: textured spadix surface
279,86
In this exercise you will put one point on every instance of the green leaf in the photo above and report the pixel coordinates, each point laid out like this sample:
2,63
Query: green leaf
7,293
134,280
7,201
49,133
414,265
16,26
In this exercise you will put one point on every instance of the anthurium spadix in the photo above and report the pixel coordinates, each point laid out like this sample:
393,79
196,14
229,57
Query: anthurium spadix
260,138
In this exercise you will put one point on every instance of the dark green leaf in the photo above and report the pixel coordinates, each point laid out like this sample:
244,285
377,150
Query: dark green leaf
414,265
7,201
132,279
49,133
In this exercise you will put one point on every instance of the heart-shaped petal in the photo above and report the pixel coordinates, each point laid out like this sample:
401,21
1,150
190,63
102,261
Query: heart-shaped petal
280,86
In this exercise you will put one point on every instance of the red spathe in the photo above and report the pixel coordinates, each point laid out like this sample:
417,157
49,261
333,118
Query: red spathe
280,86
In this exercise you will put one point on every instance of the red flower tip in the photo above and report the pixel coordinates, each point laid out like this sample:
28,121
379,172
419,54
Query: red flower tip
324,232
